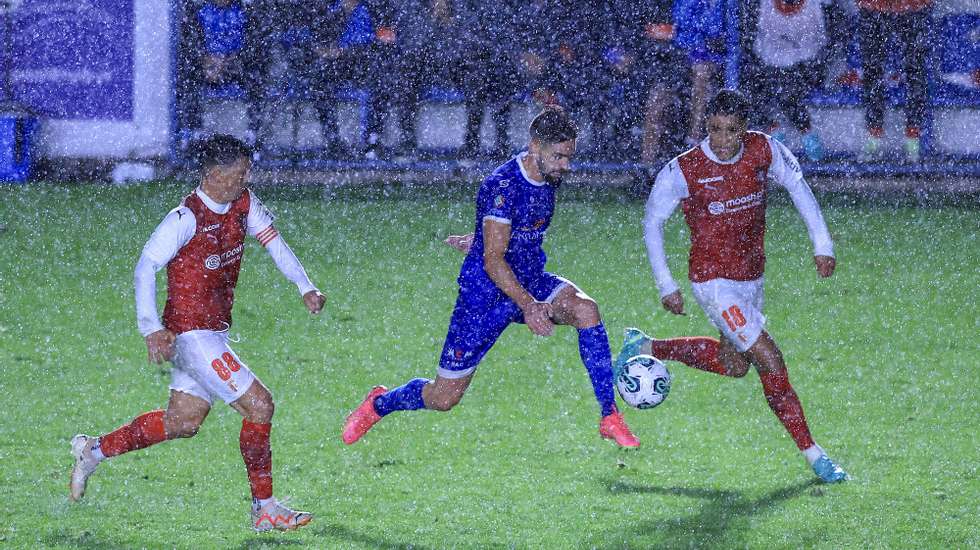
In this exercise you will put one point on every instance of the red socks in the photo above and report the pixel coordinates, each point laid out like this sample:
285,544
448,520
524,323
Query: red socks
699,352
784,402
145,430
254,443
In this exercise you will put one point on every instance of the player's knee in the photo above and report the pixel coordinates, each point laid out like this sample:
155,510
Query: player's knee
737,370
184,428
262,410
587,313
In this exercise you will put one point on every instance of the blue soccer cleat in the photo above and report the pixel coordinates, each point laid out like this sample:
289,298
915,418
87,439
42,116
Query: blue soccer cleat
829,472
633,340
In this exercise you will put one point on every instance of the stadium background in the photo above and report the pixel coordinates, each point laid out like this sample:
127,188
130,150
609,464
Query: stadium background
100,75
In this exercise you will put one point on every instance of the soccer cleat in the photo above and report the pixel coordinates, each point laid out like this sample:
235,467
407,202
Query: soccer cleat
360,420
612,426
85,465
633,340
275,515
829,472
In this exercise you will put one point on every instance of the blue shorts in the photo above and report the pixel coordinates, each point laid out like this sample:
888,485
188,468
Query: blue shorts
480,317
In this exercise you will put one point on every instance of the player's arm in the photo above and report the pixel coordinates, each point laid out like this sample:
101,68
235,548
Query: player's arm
669,189
496,236
785,170
260,226
176,229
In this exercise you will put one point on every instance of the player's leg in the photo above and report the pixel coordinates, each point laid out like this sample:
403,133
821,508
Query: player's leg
184,414
257,408
475,325
784,402
573,307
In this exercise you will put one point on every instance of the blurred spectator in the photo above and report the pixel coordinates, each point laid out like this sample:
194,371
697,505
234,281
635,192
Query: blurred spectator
220,54
909,21
699,27
491,56
785,42
354,45
434,49
575,67
657,76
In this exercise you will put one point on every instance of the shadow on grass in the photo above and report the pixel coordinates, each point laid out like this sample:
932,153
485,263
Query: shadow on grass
339,533
717,523
68,538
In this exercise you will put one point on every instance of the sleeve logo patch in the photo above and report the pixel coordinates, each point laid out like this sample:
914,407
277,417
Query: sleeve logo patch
498,201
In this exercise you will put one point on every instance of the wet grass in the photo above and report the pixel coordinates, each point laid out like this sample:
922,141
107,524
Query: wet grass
883,355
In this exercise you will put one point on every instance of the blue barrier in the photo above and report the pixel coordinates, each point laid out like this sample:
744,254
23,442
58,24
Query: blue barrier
17,131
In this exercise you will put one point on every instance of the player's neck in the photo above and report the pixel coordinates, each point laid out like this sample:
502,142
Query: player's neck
529,169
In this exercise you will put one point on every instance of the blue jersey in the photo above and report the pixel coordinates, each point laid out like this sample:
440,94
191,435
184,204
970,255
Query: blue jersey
223,28
509,196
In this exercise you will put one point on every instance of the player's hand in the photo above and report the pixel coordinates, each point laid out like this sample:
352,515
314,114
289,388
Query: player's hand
460,242
674,303
825,265
537,316
160,346
314,301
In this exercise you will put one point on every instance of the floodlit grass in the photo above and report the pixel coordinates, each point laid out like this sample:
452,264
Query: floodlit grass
883,355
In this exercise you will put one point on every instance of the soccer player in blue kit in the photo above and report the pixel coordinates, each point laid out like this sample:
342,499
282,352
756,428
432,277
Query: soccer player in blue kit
503,281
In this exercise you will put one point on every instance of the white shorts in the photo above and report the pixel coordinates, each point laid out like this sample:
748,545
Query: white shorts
735,307
204,366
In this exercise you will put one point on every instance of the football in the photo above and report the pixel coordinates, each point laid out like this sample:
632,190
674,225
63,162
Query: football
644,382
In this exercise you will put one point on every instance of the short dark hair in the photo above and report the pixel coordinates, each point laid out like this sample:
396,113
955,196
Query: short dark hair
728,102
221,150
553,125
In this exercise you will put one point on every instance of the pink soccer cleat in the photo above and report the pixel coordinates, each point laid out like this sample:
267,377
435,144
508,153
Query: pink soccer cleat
360,420
612,426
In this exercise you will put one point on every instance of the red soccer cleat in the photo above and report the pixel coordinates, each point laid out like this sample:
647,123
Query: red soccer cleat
360,420
613,427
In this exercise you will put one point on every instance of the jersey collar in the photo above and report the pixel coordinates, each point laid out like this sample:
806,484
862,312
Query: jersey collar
214,206
520,164
706,149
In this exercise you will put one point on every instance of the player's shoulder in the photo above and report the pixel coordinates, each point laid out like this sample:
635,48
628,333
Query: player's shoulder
181,214
504,176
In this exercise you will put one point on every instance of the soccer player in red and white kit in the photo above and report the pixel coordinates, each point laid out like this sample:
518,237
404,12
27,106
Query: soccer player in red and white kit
201,243
721,187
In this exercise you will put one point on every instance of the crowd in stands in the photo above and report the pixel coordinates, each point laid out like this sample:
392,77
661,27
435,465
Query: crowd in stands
638,73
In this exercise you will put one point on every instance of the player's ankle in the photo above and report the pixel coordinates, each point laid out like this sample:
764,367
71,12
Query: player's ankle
813,453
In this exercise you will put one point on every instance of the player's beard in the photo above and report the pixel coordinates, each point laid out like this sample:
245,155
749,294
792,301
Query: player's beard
553,180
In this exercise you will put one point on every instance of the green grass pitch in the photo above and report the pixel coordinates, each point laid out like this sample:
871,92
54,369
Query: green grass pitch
884,356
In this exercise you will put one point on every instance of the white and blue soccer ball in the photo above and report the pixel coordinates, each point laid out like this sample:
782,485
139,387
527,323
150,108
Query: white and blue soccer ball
644,382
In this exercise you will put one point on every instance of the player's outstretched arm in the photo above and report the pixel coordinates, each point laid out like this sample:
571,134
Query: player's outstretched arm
460,242
160,346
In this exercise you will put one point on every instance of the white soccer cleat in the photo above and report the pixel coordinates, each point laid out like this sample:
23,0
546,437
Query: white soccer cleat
275,515
85,464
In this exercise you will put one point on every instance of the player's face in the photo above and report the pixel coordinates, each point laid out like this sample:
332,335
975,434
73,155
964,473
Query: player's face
725,135
553,160
225,183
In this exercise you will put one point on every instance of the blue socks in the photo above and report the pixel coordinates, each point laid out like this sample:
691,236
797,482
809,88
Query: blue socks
593,346
402,398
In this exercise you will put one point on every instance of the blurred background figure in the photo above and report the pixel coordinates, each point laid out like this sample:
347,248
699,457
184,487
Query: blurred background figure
220,56
785,44
909,22
354,47
699,27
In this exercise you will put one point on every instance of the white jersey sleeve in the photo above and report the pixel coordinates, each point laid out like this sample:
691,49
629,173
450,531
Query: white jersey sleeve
175,231
259,222
785,170
669,189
